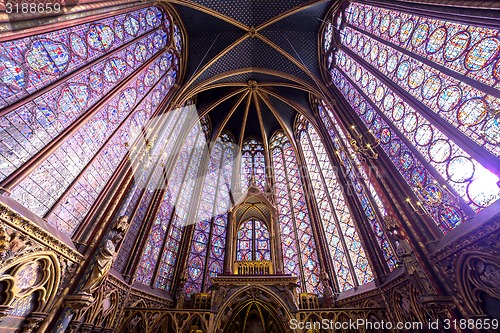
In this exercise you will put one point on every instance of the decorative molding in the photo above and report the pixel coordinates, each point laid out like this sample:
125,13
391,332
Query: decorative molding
25,226
150,300
255,280
473,236
374,294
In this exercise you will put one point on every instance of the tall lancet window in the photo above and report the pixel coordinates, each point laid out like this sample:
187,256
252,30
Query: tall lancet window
73,102
206,257
350,263
428,89
300,256
159,257
360,181
147,181
252,241
253,164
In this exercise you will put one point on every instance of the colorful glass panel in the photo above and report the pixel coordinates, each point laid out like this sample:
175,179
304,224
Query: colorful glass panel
142,193
182,180
253,241
457,102
327,38
244,245
412,170
464,48
262,245
297,240
96,138
69,181
221,208
477,186
32,63
198,254
348,257
253,164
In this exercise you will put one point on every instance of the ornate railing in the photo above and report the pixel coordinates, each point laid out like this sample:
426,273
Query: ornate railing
308,301
201,301
253,267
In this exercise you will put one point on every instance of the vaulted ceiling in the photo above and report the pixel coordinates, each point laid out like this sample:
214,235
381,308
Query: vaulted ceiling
252,64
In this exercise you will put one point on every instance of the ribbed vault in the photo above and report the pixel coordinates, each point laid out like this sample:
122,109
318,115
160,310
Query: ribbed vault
252,65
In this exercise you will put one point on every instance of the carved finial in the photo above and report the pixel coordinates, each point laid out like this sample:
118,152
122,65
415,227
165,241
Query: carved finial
121,224
4,240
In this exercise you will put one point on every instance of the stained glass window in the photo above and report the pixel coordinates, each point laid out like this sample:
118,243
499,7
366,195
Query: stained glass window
32,63
402,73
252,241
358,178
100,144
253,164
206,256
299,250
34,124
459,103
351,266
465,48
162,246
474,183
102,82
112,153
146,183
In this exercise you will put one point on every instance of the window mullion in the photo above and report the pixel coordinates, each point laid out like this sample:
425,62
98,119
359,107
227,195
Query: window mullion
172,216
292,211
334,212
436,175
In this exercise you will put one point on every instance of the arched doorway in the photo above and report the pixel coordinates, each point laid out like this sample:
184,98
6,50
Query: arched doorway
254,316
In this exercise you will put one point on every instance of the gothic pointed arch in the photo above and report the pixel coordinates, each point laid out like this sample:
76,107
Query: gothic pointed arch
477,277
253,228
249,297
402,72
81,98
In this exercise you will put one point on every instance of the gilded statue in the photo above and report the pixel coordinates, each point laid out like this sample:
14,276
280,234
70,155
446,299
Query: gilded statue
329,296
407,256
105,258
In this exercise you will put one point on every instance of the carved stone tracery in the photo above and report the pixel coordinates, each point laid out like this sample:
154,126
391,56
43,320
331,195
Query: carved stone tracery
479,276
34,270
